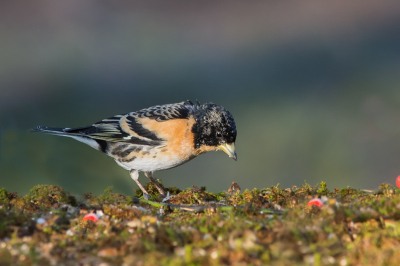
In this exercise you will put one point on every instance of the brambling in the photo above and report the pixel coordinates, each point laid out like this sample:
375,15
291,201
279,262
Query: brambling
158,137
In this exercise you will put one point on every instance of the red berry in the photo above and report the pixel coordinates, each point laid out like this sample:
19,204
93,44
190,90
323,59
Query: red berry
398,181
91,216
316,201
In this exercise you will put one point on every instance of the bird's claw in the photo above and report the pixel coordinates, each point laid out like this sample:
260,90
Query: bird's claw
146,196
166,197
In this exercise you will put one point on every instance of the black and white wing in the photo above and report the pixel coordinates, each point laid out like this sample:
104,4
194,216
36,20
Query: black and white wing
125,128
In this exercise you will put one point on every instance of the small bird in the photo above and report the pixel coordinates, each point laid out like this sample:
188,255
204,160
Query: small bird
158,137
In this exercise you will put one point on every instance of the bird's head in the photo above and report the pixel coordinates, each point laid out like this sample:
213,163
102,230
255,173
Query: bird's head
214,127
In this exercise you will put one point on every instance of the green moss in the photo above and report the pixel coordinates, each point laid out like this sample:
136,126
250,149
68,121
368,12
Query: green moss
109,197
47,196
194,195
323,188
4,196
353,226
173,190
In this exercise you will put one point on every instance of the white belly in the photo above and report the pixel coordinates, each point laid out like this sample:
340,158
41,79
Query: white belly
150,164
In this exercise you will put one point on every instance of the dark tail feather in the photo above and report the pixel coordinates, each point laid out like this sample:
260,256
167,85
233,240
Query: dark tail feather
57,131
54,130
76,133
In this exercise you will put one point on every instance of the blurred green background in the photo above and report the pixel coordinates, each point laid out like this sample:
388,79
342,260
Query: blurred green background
314,87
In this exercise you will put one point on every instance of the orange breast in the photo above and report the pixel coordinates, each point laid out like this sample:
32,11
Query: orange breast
177,133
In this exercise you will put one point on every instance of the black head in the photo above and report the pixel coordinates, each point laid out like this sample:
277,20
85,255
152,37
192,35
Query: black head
214,125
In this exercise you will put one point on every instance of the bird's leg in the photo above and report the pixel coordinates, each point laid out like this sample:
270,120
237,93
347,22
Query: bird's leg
150,176
135,176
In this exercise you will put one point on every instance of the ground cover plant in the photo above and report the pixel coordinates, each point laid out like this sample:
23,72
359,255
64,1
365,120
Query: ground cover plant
269,226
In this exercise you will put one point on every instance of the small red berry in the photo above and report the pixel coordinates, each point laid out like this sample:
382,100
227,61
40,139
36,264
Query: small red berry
91,216
318,202
398,181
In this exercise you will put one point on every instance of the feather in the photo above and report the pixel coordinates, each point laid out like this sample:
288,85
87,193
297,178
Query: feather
125,128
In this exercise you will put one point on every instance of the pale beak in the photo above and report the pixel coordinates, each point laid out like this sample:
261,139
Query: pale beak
229,149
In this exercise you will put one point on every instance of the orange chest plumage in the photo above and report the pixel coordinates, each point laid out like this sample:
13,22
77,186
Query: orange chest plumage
177,146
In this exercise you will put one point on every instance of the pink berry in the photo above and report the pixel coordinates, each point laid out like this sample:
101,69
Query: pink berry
91,216
398,181
318,202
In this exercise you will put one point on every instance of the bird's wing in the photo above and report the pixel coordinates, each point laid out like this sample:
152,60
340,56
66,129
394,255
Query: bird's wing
166,112
128,128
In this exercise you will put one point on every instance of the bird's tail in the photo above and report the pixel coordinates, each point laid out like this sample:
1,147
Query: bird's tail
49,130
75,133
67,132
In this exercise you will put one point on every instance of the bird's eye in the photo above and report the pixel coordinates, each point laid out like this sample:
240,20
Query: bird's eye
219,135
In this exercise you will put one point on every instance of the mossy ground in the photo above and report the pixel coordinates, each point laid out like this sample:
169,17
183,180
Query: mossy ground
353,227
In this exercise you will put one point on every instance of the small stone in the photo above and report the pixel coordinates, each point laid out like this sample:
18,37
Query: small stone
206,236
180,251
136,223
277,207
310,259
201,252
40,221
24,248
324,199
328,260
99,213
108,252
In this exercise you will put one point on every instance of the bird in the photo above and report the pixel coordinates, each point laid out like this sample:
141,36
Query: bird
158,138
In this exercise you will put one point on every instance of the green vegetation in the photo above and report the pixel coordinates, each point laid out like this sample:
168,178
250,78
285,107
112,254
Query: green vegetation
273,226
4,196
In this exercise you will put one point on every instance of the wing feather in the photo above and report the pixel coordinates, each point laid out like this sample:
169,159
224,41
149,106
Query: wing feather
126,128
166,112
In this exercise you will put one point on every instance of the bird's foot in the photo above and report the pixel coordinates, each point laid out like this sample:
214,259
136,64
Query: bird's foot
146,196
166,197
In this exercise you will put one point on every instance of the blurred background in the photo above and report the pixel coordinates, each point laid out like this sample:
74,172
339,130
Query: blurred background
314,87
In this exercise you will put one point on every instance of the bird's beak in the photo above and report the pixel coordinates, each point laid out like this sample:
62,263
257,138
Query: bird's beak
229,149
